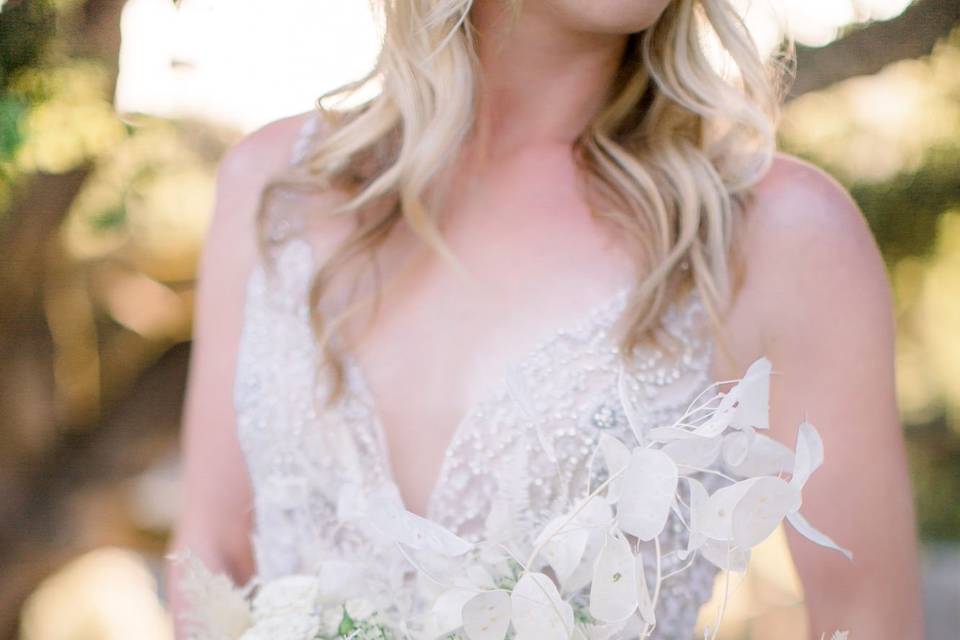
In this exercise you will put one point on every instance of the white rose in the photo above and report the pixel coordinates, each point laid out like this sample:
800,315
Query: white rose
359,608
294,594
284,627
339,580
330,619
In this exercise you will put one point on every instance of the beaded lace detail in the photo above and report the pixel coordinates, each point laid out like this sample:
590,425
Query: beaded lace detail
517,459
525,448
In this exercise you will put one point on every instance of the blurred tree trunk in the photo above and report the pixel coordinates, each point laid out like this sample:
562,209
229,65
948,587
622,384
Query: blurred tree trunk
867,49
48,463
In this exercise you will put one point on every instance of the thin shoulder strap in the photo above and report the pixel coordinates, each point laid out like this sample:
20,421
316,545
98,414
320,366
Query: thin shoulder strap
304,138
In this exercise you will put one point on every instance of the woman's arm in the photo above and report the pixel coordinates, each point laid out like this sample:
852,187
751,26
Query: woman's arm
817,287
216,503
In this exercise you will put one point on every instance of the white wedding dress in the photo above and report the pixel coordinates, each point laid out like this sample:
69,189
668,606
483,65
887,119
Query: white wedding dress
521,455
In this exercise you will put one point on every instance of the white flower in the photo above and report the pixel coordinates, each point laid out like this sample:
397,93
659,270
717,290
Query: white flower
287,627
293,594
330,619
359,608
338,580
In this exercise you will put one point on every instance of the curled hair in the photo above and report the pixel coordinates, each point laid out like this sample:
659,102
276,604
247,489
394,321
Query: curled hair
687,129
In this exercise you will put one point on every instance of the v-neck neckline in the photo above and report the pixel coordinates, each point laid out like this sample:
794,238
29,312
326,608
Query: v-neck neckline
602,314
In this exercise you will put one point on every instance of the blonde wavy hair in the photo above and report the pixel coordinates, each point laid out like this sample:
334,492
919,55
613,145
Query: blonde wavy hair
673,152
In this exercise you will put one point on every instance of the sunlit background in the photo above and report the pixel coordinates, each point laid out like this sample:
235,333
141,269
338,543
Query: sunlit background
112,117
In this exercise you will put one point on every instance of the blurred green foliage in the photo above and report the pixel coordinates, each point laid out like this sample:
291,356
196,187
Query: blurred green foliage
26,31
12,109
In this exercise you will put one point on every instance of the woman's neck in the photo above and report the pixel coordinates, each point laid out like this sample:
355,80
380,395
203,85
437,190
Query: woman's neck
541,82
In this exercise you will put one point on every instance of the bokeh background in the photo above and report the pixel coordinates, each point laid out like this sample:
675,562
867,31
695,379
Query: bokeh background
113,115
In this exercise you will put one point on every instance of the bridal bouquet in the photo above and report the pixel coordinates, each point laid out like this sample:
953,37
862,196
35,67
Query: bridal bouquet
584,575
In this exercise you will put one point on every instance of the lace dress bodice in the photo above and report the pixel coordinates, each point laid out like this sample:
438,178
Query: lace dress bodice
521,456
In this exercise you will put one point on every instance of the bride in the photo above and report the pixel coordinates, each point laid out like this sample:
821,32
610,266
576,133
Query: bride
418,292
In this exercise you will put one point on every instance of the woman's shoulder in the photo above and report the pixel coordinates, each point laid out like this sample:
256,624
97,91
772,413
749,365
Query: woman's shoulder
253,159
797,200
244,170
810,257
803,226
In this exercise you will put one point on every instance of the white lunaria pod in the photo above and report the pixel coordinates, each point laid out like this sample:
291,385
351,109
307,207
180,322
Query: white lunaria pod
643,512
808,458
590,546
765,457
447,612
633,417
582,575
539,613
692,454
698,502
809,454
613,591
567,539
721,417
616,456
669,434
747,404
644,601
725,556
564,543
761,510
716,521
486,616
736,446
807,530
753,402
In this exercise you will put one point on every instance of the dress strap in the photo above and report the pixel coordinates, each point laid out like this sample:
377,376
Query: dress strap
305,135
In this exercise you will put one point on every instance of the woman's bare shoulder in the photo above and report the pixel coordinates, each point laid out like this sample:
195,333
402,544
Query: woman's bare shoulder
249,163
804,232
244,170
812,271
797,202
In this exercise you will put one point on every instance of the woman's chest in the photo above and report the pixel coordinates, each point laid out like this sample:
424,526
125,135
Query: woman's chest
525,441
